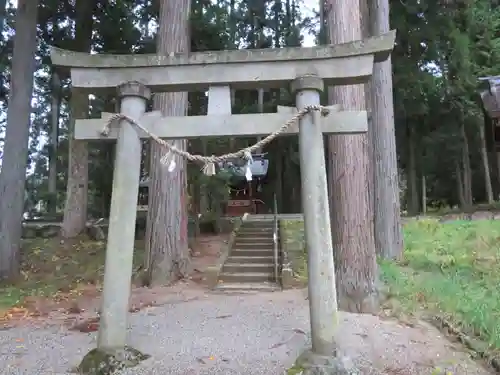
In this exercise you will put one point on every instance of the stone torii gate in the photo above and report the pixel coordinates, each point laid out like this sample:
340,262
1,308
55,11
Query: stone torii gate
306,70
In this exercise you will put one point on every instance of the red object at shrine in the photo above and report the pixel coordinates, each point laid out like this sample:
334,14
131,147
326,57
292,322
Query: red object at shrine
246,196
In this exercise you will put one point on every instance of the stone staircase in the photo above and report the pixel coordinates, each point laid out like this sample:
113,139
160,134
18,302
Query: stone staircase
250,264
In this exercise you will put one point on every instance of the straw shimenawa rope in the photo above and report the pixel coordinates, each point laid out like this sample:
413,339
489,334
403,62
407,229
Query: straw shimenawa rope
209,161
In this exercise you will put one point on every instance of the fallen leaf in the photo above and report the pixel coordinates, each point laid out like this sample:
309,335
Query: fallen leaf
223,316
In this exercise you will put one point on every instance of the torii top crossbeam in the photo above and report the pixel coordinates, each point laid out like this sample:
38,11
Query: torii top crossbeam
347,63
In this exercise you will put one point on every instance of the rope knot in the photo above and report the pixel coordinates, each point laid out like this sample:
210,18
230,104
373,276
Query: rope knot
113,120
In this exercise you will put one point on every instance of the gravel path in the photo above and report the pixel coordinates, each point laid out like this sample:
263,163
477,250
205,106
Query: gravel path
260,334
215,334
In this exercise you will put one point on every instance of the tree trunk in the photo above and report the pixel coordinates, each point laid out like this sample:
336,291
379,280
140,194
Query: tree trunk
3,12
486,165
412,173
497,157
204,191
322,37
260,109
166,233
365,31
352,216
280,152
388,233
54,143
492,162
467,173
259,20
424,196
13,171
75,208
460,185
233,28
489,137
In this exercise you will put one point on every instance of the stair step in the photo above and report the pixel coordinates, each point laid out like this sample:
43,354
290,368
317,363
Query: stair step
251,252
255,234
245,277
250,238
248,267
264,231
249,287
250,259
256,229
253,247
249,242
257,224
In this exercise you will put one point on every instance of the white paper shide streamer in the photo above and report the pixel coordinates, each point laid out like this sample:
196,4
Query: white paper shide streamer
169,159
248,170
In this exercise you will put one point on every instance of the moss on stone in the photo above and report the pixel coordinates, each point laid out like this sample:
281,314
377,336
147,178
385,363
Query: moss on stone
110,361
295,370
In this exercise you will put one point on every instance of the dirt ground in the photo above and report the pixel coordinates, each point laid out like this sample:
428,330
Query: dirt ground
378,344
79,310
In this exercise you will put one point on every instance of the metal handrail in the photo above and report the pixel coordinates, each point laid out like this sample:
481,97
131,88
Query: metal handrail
275,237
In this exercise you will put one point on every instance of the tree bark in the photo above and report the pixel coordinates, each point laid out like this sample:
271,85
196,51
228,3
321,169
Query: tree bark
13,171
3,12
260,109
387,220
365,31
493,163
486,165
233,28
204,191
280,151
460,185
424,195
166,232
497,157
352,215
467,173
75,208
54,143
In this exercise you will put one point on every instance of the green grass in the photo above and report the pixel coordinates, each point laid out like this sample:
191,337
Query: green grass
452,270
446,210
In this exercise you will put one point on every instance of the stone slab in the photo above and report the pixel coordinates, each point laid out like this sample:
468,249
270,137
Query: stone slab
221,125
346,63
